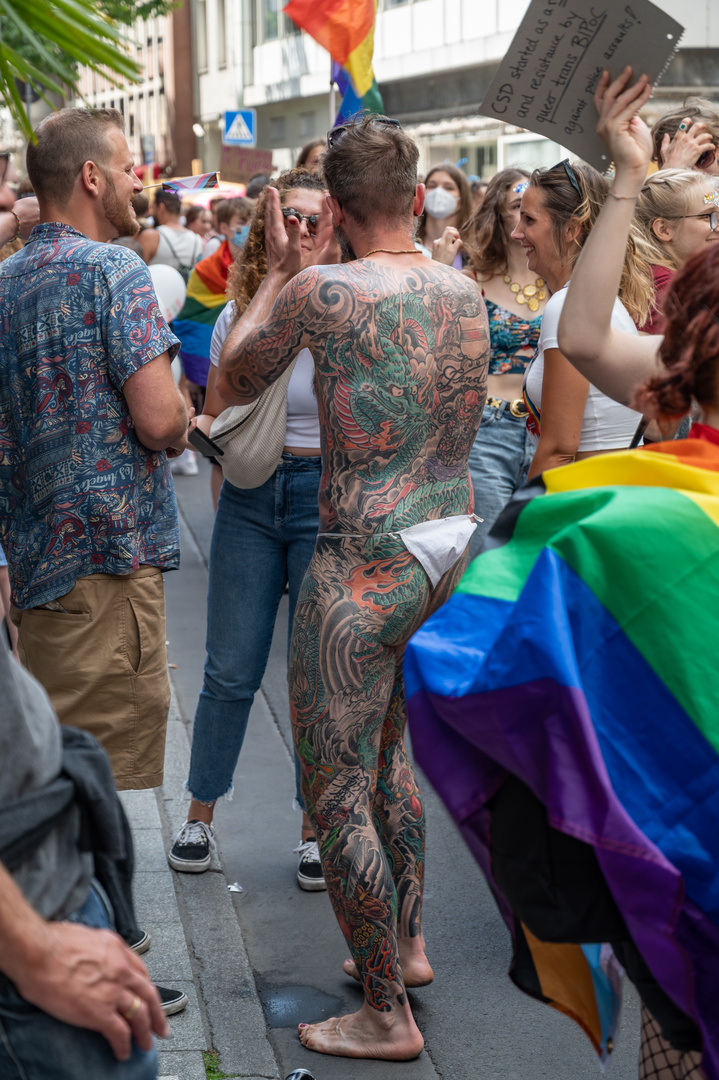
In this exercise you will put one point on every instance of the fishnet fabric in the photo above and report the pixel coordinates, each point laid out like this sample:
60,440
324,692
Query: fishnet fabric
659,1061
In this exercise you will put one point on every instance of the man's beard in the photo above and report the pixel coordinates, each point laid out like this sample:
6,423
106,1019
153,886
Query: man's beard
348,254
118,214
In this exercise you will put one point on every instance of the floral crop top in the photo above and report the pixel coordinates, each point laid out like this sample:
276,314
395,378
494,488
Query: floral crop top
508,334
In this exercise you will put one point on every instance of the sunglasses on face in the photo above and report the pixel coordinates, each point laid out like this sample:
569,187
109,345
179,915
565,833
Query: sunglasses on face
571,176
336,131
311,219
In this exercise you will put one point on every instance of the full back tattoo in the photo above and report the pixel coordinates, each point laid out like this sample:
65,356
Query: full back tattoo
401,369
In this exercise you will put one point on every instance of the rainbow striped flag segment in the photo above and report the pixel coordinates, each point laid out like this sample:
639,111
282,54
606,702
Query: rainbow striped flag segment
579,655
351,103
204,301
346,29
180,184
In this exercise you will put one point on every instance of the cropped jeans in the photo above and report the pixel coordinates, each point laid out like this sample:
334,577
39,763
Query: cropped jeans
262,540
498,464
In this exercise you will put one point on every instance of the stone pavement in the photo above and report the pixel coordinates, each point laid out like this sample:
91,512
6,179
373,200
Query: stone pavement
196,940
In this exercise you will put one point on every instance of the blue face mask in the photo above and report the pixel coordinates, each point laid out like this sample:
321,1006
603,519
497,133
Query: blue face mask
241,235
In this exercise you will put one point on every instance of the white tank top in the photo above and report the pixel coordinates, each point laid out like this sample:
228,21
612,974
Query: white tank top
303,422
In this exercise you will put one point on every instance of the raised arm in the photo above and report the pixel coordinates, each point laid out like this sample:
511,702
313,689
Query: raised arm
614,361
274,327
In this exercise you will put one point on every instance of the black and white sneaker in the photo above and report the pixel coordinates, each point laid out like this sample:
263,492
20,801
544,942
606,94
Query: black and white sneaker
191,852
140,943
173,1001
309,868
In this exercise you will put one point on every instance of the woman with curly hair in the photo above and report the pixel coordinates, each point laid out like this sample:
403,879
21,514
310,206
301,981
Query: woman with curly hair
263,540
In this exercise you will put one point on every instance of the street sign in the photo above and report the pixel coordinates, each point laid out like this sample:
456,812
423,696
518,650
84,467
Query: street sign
240,128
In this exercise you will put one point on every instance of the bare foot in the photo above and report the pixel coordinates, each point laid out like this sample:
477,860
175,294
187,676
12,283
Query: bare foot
392,1036
416,970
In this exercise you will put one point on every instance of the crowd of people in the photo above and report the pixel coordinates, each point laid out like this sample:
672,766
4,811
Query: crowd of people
411,354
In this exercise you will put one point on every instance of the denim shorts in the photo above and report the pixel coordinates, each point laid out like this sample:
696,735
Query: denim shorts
36,1046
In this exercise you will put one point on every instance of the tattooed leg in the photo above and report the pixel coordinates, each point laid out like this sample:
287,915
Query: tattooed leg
355,606
399,820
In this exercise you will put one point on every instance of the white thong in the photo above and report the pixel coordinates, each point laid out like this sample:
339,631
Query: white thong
436,545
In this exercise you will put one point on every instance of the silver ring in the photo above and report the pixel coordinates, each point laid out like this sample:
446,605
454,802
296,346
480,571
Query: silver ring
683,127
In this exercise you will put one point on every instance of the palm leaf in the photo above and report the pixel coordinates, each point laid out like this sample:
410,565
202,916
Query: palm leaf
76,27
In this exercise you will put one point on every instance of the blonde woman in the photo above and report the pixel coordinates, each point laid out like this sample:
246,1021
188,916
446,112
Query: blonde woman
570,418
678,214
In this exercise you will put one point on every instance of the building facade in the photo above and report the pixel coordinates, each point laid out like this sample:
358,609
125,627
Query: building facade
434,60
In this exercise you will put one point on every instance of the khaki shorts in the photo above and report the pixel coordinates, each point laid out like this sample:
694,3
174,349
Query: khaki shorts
103,663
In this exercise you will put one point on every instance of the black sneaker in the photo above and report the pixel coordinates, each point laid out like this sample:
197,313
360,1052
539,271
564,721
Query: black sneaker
173,1001
140,943
309,869
190,853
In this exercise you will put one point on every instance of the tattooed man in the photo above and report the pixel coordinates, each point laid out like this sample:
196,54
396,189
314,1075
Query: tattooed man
400,346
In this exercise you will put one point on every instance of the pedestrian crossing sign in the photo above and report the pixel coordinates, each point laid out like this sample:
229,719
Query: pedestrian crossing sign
240,128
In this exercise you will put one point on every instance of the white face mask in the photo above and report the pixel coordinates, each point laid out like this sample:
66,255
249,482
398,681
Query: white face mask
439,203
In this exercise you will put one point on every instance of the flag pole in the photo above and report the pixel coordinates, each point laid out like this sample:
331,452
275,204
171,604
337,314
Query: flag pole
333,107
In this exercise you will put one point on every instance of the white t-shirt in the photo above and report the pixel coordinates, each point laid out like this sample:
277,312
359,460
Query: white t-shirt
303,422
607,425
177,247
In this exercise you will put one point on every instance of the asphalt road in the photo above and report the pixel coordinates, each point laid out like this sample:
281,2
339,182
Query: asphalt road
476,1024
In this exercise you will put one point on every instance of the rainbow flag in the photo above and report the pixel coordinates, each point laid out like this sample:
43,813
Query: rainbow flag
346,29
352,104
579,654
196,320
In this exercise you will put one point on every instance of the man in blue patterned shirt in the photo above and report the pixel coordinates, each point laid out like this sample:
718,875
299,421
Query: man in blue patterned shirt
89,412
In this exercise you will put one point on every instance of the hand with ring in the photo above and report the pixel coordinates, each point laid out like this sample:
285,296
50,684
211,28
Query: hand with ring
692,147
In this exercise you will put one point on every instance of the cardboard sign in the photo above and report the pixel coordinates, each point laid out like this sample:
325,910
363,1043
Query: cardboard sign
238,164
547,80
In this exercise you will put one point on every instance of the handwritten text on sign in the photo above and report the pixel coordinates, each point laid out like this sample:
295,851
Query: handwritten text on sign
547,80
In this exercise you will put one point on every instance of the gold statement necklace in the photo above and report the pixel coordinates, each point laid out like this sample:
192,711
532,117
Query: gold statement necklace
531,295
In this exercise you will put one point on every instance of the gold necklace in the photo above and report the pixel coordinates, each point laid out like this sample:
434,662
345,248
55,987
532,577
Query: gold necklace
391,251
531,295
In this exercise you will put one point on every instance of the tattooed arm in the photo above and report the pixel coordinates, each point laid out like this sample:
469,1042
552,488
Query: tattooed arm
267,337
270,333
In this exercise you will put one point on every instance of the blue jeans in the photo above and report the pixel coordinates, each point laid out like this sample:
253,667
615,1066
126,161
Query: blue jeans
36,1046
263,538
498,464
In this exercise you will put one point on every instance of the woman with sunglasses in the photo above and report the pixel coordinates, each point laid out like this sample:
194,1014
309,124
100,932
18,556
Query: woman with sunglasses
263,540
570,418
514,298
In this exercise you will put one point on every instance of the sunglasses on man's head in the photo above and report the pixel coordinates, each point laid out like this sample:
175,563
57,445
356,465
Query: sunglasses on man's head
311,219
386,120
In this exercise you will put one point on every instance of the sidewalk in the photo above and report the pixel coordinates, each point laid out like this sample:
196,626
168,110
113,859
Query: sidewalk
196,939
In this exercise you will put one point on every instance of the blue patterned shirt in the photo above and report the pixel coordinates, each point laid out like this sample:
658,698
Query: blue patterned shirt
79,494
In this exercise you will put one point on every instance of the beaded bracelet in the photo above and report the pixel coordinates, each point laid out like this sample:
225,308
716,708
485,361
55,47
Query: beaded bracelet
620,197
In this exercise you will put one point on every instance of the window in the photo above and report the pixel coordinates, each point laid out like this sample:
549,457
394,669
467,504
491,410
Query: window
132,124
270,19
307,125
221,34
201,34
277,128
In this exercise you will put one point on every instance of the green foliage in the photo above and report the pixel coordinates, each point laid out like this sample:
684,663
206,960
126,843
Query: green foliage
212,1066
44,42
